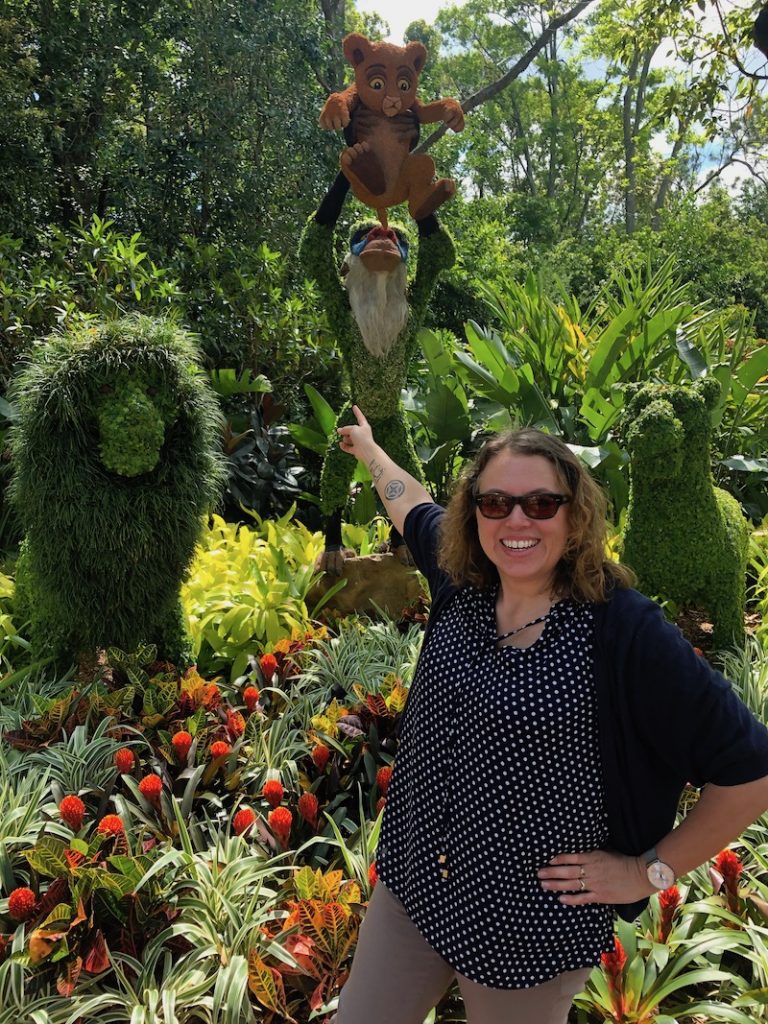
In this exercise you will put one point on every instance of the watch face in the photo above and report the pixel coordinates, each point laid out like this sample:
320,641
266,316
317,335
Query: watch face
661,875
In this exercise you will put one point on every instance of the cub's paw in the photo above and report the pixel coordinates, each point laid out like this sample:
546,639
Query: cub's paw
352,153
335,114
453,115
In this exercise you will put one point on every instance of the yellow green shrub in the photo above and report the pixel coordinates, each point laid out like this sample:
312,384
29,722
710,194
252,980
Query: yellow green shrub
248,589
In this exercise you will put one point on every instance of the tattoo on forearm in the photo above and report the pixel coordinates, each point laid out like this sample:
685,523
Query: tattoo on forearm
376,470
394,489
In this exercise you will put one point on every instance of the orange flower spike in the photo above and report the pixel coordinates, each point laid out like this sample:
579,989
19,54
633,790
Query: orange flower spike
380,804
72,811
273,792
124,760
669,901
235,723
373,874
280,820
251,698
21,904
728,865
320,756
243,820
383,775
308,807
110,825
220,749
150,787
613,967
268,666
181,742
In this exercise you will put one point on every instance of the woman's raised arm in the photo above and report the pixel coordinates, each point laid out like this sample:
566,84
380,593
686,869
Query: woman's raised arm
397,489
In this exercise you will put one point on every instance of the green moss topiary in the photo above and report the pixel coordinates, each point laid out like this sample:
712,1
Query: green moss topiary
375,382
685,538
115,463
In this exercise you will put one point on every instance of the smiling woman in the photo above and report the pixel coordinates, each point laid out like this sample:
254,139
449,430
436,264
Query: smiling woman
535,698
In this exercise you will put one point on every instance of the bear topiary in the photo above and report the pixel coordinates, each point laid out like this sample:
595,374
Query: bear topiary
685,538
116,460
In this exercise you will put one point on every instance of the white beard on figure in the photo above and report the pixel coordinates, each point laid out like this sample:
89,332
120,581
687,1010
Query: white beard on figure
379,303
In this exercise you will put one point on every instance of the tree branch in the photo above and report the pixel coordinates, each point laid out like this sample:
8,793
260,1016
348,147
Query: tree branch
488,93
719,170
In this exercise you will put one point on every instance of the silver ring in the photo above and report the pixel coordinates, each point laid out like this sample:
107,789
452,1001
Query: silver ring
583,887
582,872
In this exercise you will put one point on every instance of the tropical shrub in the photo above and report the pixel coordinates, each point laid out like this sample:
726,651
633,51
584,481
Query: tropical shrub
248,588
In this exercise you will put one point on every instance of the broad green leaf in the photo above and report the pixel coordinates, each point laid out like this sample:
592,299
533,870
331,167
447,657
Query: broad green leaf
324,414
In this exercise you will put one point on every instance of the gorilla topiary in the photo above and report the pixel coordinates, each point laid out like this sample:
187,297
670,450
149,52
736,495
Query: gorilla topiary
685,538
116,460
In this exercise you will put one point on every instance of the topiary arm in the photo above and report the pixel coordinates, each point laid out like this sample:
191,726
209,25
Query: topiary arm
318,258
436,253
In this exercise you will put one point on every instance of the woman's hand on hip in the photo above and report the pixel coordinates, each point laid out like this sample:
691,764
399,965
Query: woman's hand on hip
597,876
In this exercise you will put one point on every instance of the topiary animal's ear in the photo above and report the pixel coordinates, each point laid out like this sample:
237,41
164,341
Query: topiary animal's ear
356,48
416,54
628,391
709,389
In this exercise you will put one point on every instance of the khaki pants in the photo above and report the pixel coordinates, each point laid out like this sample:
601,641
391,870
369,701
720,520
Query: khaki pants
397,978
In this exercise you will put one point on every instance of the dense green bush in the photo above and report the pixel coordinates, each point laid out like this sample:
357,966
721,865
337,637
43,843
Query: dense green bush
116,461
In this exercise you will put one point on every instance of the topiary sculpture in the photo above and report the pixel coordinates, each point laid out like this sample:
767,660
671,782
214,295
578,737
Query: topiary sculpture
116,460
685,538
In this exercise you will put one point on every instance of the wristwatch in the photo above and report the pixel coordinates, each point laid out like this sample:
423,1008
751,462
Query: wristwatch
660,875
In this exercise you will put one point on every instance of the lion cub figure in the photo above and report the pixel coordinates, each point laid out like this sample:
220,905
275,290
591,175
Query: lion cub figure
381,115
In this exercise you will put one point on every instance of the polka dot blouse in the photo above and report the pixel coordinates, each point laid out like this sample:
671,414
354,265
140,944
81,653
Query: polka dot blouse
497,771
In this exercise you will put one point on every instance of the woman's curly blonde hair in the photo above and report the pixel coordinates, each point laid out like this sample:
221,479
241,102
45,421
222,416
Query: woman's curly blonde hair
584,573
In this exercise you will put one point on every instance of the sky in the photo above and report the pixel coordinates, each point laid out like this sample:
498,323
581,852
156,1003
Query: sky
400,13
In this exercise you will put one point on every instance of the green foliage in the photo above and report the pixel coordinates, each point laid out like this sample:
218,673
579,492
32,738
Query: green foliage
685,539
176,120
758,571
104,553
248,588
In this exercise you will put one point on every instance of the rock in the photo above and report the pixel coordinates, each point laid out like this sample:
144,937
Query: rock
374,582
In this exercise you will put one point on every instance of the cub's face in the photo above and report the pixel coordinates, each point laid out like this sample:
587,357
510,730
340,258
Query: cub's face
386,75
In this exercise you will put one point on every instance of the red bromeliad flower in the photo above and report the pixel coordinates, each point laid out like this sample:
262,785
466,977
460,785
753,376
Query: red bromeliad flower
320,756
235,723
181,742
21,904
243,820
268,665
729,867
124,760
373,874
669,901
280,821
220,749
110,825
613,968
251,698
383,775
273,792
380,803
308,807
150,787
72,811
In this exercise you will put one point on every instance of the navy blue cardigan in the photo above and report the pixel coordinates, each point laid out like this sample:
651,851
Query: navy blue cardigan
665,716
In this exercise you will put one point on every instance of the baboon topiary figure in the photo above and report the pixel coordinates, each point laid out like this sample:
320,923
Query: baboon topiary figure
116,461
685,538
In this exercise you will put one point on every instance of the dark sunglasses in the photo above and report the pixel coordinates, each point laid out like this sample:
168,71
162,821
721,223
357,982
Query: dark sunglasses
534,506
